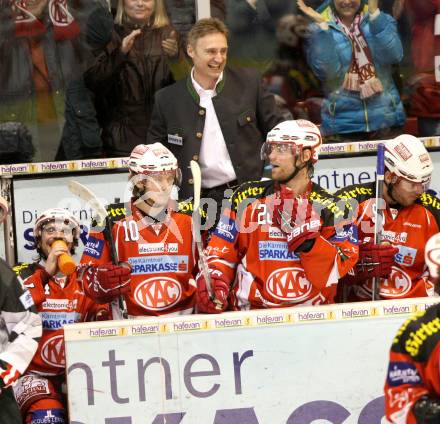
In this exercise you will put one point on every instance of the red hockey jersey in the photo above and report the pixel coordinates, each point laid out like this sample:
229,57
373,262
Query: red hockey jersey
413,369
253,252
59,300
162,257
407,229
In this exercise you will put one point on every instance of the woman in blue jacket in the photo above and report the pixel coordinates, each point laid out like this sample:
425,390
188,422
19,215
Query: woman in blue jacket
351,49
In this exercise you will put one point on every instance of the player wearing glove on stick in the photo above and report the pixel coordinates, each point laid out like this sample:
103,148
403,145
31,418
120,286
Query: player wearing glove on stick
152,235
282,242
412,387
410,219
59,299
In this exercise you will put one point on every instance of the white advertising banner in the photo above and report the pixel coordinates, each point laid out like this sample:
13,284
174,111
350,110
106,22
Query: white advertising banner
33,196
287,366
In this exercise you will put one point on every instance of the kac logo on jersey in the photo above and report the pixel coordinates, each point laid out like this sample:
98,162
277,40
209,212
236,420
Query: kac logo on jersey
398,284
158,293
52,351
94,247
226,229
288,284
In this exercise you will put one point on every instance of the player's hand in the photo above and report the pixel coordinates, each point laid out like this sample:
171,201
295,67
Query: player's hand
372,5
105,282
8,374
128,41
310,12
51,266
375,260
297,219
220,287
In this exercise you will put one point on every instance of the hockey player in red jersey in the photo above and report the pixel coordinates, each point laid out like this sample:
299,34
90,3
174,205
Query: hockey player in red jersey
411,217
152,233
59,300
412,387
283,242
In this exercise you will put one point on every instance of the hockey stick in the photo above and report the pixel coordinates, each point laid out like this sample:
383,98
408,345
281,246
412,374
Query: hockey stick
203,263
87,195
378,213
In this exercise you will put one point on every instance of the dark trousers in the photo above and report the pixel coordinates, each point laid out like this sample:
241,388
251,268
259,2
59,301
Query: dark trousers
220,195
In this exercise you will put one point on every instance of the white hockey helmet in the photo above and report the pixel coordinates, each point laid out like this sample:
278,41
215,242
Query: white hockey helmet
57,215
432,255
407,157
298,134
154,159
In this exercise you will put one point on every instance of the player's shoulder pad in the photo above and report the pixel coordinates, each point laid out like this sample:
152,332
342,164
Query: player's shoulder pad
186,207
430,201
418,336
115,211
331,208
251,190
24,269
358,192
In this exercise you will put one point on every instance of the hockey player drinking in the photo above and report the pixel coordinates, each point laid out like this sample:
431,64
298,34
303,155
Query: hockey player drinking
153,235
283,242
60,300
411,217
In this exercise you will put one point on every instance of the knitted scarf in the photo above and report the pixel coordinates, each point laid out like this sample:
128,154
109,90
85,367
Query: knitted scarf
28,25
361,75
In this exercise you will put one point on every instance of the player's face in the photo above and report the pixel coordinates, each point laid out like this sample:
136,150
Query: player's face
209,57
282,159
346,9
157,188
56,231
406,192
139,10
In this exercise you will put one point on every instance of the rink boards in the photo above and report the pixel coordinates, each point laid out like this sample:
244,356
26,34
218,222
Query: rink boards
289,366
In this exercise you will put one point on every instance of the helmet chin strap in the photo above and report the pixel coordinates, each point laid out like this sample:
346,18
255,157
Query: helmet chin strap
295,171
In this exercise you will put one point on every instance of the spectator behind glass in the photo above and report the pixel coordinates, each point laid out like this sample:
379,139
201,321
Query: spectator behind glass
351,49
425,83
252,30
182,15
129,70
42,56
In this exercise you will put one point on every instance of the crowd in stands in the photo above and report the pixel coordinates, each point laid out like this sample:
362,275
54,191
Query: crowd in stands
78,79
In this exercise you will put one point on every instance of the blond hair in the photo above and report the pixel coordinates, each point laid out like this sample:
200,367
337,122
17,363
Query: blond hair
204,27
160,17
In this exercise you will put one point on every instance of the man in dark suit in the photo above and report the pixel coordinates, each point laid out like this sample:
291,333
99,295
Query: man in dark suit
217,116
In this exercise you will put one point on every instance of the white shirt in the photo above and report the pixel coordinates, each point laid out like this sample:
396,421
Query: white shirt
215,162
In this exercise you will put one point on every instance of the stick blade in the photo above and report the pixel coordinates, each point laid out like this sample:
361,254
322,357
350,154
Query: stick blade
85,194
197,178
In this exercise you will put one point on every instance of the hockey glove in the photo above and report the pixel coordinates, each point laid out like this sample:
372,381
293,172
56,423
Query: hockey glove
297,219
427,410
220,287
106,282
8,374
375,260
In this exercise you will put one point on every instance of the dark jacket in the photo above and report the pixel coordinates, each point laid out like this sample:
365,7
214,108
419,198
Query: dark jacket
125,85
246,113
72,103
